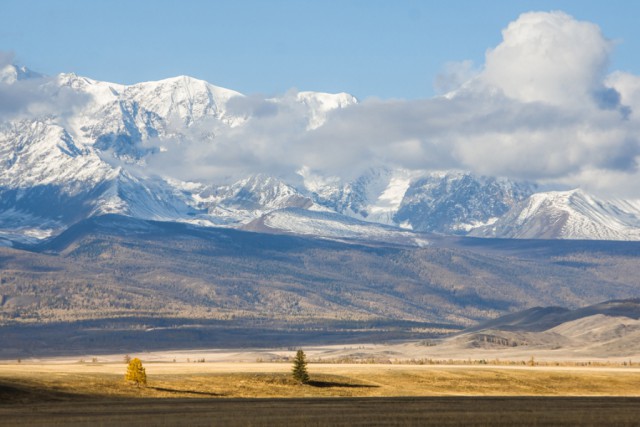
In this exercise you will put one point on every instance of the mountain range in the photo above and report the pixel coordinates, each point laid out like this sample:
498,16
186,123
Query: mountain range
62,166
115,282
105,243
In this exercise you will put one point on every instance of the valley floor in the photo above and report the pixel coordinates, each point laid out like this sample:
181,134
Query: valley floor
237,393
273,380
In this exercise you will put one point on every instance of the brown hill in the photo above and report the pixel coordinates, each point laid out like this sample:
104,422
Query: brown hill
114,273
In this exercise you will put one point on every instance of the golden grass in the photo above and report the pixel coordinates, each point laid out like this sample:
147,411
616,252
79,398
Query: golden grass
188,394
226,380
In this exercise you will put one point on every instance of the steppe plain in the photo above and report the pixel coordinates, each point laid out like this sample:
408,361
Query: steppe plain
241,388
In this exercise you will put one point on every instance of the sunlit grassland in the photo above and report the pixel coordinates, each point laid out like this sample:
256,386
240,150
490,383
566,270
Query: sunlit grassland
269,380
264,394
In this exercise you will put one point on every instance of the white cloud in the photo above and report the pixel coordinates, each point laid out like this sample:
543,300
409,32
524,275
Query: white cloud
542,108
454,75
549,57
25,94
628,86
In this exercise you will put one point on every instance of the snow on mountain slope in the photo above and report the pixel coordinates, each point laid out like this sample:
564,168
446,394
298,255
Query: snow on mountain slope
90,158
457,202
46,180
250,198
375,196
119,117
567,215
146,198
162,199
320,104
23,226
36,153
443,202
261,192
61,164
10,74
184,98
332,226
385,201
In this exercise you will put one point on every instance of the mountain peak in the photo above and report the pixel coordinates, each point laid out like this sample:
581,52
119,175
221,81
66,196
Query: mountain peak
67,159
321,104
10,74
189,83
457,202
571,214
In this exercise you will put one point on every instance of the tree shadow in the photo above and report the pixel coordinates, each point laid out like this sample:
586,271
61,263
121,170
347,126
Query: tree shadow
322,384
28,392
174,390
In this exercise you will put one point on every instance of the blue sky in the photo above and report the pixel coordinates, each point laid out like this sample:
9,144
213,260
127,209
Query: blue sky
386,49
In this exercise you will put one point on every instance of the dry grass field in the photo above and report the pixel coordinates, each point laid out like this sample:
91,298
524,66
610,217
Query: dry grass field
363,394
265,380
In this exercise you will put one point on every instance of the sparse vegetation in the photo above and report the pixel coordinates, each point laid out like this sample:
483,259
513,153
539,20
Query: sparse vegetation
165,275
79,393
185,380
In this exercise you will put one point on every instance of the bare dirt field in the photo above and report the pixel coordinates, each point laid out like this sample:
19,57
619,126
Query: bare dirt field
417,411
228,393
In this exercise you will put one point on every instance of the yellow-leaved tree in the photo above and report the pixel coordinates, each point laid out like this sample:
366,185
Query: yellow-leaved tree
136,372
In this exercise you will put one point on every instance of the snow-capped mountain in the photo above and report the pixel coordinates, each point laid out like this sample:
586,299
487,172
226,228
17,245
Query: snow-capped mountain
442,202
320,104
567,215
374,196
10,74
457,202
61,165
333,226
250,198
58,169
118,118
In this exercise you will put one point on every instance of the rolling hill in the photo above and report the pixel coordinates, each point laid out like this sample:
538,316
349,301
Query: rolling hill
115,273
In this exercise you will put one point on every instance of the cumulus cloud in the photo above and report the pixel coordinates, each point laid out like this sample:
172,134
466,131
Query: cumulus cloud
26,94
542,108
488,134
571,122
263,144
454,75
627,86
549,57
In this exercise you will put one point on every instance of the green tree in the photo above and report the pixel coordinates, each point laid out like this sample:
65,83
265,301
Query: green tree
136,373
300,373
